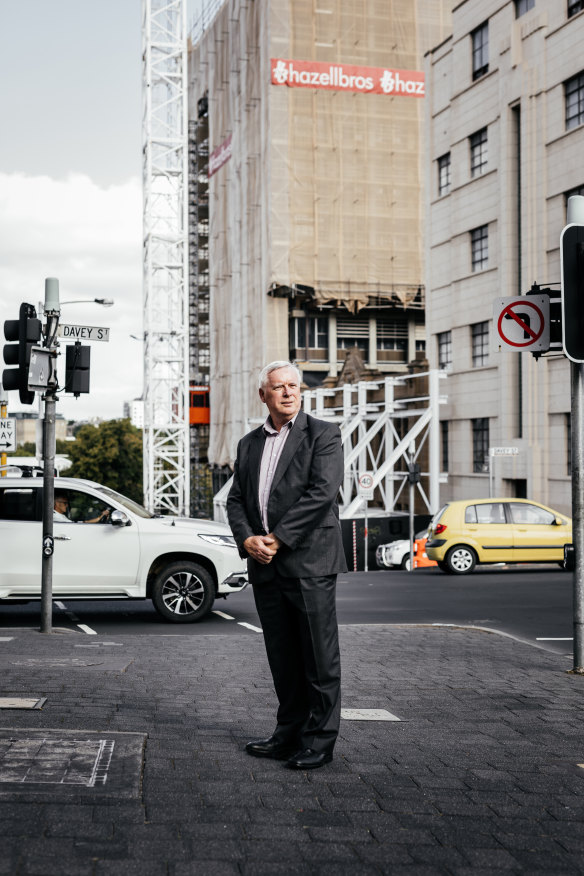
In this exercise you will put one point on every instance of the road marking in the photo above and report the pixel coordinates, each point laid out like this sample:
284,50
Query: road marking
60,605
551,639
250,627
6,638
222,614
87,629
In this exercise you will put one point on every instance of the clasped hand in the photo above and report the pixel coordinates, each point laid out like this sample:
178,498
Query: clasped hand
262,548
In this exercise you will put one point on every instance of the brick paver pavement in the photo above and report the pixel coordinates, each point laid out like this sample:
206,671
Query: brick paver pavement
481,775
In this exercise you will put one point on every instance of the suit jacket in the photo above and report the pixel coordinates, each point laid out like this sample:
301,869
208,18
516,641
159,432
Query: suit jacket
302,507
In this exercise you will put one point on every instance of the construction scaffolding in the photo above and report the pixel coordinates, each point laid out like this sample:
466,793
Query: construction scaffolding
384,426
313,191
165,250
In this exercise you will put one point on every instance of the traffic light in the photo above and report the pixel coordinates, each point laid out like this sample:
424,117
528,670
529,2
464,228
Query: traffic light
572,259
77,360
26,331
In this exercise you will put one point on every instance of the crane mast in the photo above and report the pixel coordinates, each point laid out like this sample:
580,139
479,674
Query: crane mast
165,257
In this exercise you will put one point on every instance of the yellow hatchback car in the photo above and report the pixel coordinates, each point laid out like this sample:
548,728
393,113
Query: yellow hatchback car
465,533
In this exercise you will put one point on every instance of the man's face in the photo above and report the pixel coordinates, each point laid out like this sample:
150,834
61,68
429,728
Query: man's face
61,504
281,393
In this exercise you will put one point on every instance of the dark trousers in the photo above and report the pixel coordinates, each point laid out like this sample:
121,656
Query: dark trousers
299,621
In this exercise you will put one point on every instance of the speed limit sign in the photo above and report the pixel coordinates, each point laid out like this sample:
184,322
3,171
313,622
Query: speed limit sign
366,485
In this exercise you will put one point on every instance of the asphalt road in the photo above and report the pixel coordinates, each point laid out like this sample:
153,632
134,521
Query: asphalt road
530,602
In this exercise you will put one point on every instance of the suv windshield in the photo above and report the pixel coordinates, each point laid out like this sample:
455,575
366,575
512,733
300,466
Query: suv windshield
127,503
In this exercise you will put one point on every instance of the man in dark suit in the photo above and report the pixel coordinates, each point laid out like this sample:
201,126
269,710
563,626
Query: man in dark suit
283,512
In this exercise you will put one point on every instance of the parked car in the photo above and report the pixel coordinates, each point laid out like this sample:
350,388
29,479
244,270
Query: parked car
109,547
464,533
396,554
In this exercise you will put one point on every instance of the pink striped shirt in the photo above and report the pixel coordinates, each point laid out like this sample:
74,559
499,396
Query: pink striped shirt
272,452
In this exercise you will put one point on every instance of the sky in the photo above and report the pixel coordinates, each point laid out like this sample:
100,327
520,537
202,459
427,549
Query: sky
71,180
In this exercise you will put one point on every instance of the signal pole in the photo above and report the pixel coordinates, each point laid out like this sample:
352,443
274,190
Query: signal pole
3,415
52,311
576,217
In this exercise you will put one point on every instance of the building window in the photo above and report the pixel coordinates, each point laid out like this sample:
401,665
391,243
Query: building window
522,6
444,443
479,152
392,335
352,333
309,332
480,51
575,6
574,101
480,444
479,247
480,344
445,351
444,174
420,346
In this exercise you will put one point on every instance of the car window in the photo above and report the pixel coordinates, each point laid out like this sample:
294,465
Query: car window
74,506
18,503
127,503
488,512
522,512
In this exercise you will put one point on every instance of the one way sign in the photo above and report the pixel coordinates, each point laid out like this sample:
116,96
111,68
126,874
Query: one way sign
7,436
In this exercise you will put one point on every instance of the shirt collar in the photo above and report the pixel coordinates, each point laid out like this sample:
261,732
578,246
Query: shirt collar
269,429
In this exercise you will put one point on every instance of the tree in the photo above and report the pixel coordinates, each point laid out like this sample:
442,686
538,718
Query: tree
111,454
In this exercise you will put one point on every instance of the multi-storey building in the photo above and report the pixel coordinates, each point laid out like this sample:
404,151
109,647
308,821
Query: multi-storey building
307,193
505,127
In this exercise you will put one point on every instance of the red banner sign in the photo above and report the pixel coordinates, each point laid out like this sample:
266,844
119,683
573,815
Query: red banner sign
344,77
220,156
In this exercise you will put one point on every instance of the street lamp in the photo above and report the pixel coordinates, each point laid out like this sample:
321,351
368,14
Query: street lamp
105,302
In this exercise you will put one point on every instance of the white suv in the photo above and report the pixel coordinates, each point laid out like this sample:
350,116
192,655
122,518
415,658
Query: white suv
109,547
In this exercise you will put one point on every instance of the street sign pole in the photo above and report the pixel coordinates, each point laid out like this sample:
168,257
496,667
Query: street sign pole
3,415
412,456
52,311
576,215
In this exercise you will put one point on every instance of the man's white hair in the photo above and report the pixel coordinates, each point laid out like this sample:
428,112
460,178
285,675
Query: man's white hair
274,366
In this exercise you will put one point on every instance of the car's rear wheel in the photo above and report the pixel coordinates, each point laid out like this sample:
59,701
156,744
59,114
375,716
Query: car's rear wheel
461,560
183,592
405,563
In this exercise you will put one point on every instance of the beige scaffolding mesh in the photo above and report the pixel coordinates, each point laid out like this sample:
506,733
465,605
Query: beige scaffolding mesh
323,189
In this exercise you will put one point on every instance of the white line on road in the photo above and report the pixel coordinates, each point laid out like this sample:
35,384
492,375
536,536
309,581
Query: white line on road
87,629
552,639
60,605
222,614
250,627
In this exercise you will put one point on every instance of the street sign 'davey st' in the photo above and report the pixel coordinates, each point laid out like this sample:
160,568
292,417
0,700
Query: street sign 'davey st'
7,436
522,323
83,333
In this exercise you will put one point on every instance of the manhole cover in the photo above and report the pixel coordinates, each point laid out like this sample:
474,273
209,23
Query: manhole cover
368,715
69,761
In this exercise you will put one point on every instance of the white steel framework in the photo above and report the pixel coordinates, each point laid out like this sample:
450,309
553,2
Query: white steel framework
380,421
165,253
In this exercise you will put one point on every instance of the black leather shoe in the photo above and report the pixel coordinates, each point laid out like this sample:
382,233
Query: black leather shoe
271,747
308,759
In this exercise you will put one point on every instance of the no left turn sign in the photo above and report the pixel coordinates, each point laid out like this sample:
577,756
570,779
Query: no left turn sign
522,323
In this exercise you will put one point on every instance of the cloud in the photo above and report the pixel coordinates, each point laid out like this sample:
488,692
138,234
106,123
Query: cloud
90,238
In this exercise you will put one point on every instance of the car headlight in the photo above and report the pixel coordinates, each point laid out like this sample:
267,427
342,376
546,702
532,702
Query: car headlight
224,540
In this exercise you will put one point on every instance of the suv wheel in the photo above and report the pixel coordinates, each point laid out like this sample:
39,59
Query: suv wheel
461,560
183,592
405,563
